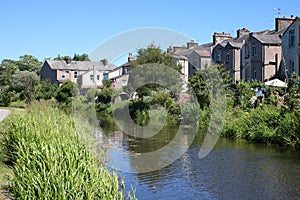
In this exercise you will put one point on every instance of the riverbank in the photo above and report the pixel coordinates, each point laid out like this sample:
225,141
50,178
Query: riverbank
48,159
267,124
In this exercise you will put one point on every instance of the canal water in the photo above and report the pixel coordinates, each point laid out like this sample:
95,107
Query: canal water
232,170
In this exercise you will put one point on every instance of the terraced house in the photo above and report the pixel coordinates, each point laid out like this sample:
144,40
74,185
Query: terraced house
291,49
86,74
253,55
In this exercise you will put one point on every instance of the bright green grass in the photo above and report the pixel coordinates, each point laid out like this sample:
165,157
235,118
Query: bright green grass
50,161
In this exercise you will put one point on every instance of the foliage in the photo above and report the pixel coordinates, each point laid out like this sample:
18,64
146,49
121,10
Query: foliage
65,92
5,98
29,63
45,90
199,87
293,90
153,54
268,125
76,57
24,83
82,57
50,159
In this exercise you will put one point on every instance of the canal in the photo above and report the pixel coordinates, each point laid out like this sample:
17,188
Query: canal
232,170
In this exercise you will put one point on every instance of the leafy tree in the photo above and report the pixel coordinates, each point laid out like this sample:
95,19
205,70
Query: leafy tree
7,68
65,92
45,90
153,56
24,82
76,57
198,84
29,63
83,57
5,98
293,89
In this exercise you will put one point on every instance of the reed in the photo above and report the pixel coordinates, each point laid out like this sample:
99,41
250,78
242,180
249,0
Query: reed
49,159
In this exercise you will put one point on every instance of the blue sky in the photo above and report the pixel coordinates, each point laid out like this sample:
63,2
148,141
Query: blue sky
48,28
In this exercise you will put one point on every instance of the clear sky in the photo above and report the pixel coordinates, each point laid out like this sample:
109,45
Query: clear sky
48,28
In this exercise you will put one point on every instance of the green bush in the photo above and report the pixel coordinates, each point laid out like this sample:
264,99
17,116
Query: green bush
5,98
50,159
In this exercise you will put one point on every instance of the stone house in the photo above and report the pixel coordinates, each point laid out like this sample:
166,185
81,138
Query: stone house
85,73
197,56
291,49
228,53
262,52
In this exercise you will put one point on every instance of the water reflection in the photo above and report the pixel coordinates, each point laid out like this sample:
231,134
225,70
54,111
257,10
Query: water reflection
233,170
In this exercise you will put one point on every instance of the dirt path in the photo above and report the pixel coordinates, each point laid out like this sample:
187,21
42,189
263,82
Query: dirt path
4,114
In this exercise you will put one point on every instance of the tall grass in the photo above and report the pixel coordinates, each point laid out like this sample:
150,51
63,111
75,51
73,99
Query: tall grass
49,159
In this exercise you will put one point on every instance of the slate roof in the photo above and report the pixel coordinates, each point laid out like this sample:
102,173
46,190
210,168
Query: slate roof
200,48
79,65
203,53
268,38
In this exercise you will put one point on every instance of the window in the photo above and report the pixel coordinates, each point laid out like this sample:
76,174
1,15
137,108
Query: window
98,77
219,56
227,56
291,67
105,76
254,53
75,74
247,52
124,82
92,77
254,73
292,38
247,74
195,63
63,76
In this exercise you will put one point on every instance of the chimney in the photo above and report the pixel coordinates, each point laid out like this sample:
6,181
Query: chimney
131,57
283,22
67,59
241,32
169,50
104,62
191,44
178,48
219,37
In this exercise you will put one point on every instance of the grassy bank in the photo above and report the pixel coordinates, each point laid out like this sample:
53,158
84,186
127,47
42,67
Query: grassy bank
267,124
49,160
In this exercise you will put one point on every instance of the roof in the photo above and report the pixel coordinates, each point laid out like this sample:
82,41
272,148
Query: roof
201,48
79,65
203,53
268,38
179,57
284,31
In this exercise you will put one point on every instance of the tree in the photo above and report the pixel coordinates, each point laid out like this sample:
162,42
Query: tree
155,58
154,54
7,68
66,92
29,63
24,82
45,90
83,57
76,57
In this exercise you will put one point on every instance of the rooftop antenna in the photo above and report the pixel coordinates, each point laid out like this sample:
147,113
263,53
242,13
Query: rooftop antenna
278,10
